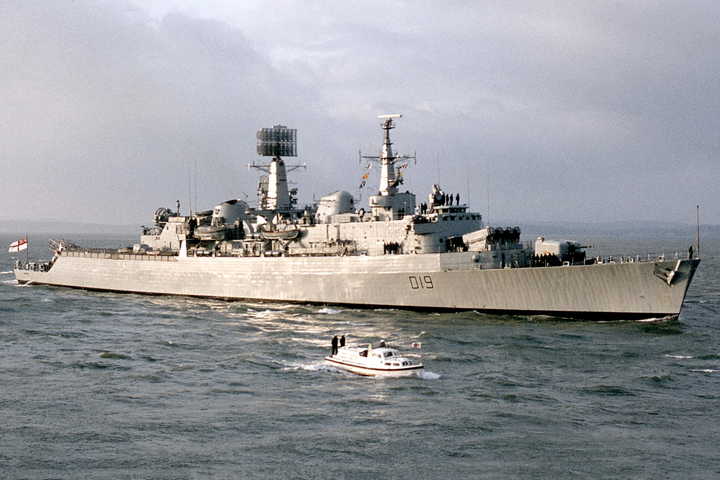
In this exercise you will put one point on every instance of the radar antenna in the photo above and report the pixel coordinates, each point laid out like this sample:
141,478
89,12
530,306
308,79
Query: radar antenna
275,142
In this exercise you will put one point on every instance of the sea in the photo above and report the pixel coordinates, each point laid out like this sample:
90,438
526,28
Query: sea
121,386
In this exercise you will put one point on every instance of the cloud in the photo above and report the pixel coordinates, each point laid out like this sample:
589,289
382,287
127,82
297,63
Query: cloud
565,110
108,110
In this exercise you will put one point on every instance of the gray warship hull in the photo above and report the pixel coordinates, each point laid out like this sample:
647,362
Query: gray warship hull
444,281
397,254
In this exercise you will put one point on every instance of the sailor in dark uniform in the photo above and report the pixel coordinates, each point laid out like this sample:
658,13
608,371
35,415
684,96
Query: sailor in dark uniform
342,341
334,345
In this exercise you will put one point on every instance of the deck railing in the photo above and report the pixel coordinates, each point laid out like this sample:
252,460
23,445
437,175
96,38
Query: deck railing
647,257
115,255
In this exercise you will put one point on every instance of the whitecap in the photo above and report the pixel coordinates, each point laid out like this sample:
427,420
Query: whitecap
292,365
329,311
311,367
328,369
681,357
427,375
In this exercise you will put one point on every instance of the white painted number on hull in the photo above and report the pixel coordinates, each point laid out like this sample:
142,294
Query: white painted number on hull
421,282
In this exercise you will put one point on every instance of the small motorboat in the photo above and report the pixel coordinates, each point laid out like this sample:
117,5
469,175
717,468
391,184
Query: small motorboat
371,361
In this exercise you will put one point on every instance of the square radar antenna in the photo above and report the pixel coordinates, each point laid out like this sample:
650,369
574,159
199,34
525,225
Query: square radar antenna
277,141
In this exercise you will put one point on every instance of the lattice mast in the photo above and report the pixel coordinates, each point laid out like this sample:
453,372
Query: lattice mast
389,177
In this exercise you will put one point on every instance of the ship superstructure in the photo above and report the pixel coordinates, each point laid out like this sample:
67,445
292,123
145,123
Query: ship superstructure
397,253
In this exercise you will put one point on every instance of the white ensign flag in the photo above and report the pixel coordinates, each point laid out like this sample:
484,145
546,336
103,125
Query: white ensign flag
19,245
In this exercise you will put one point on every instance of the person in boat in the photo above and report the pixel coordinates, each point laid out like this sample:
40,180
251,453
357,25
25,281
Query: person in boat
334,344
342,341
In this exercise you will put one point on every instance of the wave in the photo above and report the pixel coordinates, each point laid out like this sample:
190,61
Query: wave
6,273
113,355
312,367
651,320
329,311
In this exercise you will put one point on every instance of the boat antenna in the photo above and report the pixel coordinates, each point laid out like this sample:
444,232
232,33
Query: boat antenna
195,178
698,230
467,177
189,192
438,168
488,192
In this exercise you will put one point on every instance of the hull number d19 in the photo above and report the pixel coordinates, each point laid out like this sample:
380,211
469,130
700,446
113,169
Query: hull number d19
421,282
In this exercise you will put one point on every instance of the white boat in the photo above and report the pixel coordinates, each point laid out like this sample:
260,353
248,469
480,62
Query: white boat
371,361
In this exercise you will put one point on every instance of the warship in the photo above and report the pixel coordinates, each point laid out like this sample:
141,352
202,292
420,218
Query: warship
397,252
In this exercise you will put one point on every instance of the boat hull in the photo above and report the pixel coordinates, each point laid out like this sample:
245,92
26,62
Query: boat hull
447,281
369,371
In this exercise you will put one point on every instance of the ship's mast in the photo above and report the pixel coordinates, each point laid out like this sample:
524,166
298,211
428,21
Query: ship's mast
388,204
388,183
389,179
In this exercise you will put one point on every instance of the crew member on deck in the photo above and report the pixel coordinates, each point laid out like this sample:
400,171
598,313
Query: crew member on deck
342,341
334,345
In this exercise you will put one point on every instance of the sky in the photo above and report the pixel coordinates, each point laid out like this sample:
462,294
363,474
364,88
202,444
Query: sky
543,111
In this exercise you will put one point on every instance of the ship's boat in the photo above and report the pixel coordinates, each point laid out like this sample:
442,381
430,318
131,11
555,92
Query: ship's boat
289,233
371,361
212,232
397,251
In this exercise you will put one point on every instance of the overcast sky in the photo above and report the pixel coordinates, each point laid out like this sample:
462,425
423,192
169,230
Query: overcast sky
533,111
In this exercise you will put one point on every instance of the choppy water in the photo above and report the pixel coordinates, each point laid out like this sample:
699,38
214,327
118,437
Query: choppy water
98,385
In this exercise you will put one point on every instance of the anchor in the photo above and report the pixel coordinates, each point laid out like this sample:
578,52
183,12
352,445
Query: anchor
667,274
